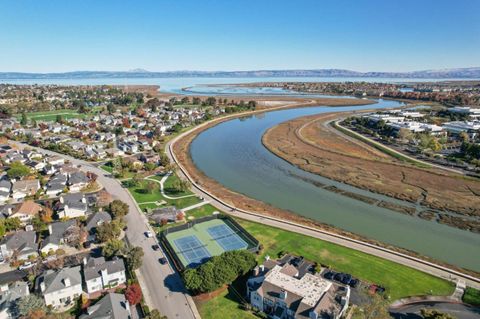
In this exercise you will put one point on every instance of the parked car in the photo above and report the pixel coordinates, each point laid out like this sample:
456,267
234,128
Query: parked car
353,283
26,265
346,279
329,275
163,260
148,234
155,247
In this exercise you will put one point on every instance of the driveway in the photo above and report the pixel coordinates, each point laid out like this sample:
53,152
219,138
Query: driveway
161,284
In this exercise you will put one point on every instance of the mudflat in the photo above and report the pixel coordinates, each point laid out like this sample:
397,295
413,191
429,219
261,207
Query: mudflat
315,146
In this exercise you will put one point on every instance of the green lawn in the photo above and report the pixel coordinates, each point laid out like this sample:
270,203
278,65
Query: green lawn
140,196
49,116
226,305
168,186
472,296
107,168
400,281
202,211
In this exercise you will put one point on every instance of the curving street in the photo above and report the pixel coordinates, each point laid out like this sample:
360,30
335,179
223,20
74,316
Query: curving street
162,286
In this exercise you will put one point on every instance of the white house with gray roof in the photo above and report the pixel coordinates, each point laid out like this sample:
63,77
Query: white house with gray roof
77,181
282,291
60,288
21,243
72,206
100,274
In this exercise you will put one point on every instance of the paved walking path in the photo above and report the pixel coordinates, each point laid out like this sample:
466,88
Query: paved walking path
162,182
196,205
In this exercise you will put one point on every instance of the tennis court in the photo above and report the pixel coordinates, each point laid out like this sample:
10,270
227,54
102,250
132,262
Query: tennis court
192,250
195,244
226,238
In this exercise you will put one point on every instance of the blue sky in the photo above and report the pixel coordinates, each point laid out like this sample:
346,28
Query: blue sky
162,35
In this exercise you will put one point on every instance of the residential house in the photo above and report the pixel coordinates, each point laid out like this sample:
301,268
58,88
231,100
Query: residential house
100,274
60,288
26,211
169,214
24,188
6,210
55,160
20,244
77,181
283,290
114,152
5,188
12,287
36,165
71,206
111,306
49,169
56,185
95,220
60,234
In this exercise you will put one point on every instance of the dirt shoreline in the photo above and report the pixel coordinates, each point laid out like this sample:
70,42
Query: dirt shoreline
181,148
310,144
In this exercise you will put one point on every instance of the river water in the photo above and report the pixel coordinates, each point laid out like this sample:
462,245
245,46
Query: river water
232,154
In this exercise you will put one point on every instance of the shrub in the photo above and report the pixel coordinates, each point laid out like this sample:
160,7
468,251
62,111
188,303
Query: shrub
218,271
133,294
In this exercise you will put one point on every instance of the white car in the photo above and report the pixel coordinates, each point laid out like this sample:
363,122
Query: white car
26,265
148,234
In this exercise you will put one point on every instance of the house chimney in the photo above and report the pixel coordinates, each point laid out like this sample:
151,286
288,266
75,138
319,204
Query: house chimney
267,257
84,261
66,282
262,268
42,286
283,294
50,230
62,200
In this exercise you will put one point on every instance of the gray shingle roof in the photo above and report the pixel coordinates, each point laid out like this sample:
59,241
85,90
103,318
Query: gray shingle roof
94,267
58,231
112,306
20,240
74,200
77,177
94,219
55,280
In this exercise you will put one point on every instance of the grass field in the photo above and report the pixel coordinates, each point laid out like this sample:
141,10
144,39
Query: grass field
142,197
226,305
400,281
50,116
168,186
202,211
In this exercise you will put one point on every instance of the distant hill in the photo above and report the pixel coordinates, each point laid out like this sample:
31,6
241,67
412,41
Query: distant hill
464,73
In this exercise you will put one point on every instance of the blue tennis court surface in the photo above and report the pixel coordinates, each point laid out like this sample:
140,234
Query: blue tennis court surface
226,238
192,250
